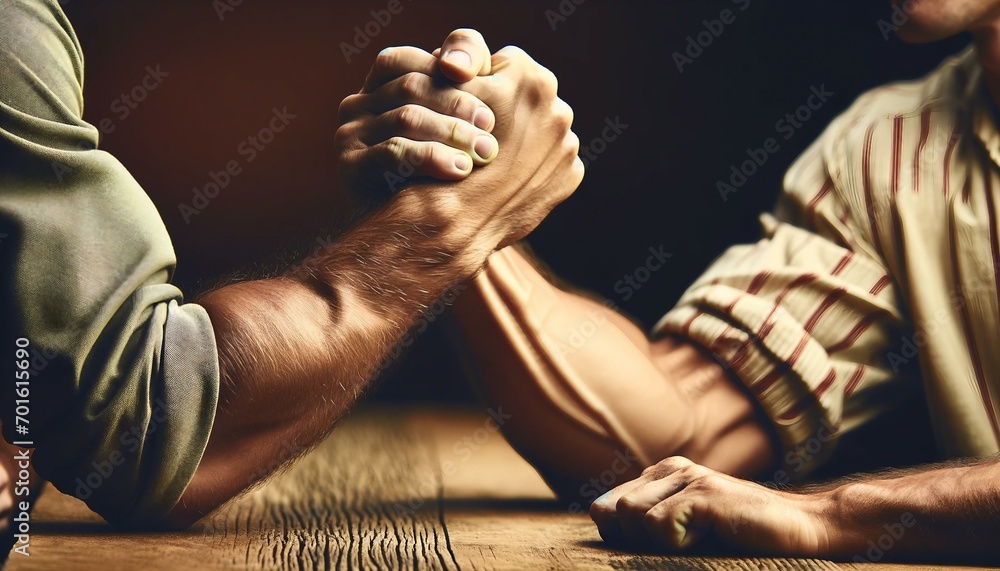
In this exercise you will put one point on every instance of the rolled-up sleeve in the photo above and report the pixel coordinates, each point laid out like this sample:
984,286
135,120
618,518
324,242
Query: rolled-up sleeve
124,375
805,316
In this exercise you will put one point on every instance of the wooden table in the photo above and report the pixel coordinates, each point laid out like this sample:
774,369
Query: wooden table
391,488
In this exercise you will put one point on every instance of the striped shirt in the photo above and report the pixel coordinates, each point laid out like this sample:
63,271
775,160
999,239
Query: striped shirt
883,250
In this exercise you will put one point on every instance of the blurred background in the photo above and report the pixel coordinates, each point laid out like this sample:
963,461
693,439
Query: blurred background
230,63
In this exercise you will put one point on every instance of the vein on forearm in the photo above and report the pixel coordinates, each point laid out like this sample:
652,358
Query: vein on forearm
296,351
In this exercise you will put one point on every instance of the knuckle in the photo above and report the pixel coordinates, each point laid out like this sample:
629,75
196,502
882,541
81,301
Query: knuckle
573,144
412,84
410,116
655,518
706,482
348,107
672,464
466,35
628,504
513,52
579,171
563,114
548,82
341,139
386,59
395,149
654,514
691,473
460,132
429,154
463,105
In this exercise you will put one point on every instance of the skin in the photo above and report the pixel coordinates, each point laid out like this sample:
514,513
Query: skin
296,351
513,315
673,503
678,501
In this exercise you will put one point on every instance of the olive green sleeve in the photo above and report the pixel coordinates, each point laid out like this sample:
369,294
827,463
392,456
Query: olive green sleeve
124,375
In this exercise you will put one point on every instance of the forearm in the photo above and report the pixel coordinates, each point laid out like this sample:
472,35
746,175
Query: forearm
950,509
656,398
296,351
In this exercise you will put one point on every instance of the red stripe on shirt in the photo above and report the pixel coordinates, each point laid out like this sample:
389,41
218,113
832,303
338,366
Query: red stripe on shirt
866,182
826,384
823,191
827,302
879,285
842,264
758,282
855,379
848,341
765,383
897,144
768,323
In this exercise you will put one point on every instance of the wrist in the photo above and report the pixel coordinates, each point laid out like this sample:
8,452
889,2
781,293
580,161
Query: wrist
853,514
463,236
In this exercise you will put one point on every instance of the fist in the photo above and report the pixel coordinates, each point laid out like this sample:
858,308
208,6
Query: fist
407,123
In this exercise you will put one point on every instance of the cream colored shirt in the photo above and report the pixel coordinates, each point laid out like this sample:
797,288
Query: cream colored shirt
883,250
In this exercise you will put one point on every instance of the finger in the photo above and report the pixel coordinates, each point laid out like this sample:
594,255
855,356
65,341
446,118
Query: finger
421,124
634,504
391,63
680,521
512,66
399,159
419,89
464,55
507,55
604,511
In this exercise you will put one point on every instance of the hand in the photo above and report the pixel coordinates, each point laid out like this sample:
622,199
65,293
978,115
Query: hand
539,166
675,503
409,122
540,170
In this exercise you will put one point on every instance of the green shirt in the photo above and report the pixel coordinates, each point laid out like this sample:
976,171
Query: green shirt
123,375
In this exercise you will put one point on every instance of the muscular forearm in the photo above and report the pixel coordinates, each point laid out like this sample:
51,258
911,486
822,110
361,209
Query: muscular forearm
945,510
297,350
538,344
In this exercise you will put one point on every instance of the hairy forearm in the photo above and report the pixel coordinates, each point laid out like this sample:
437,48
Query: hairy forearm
951,509
296,351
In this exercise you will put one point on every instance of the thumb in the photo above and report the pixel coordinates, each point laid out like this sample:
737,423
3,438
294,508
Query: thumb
464,55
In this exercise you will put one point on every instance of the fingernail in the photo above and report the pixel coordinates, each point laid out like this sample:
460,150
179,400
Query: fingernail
484,147
462,162
482,118
459,58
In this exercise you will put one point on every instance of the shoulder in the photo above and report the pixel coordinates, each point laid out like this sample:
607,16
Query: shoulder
899,122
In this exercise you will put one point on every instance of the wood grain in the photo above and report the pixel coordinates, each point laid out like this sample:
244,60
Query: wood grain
390,489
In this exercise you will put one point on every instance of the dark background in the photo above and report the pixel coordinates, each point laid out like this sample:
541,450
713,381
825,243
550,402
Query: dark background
654,185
